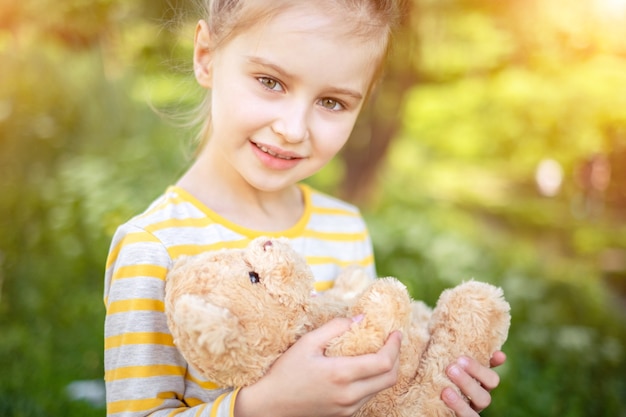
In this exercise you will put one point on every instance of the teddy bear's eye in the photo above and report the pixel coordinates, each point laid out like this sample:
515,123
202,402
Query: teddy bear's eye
254,277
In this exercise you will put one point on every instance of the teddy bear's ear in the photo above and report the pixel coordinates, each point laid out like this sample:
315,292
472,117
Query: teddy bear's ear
201,328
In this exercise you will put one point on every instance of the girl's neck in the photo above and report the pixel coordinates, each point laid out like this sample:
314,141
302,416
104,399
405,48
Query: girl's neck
229,195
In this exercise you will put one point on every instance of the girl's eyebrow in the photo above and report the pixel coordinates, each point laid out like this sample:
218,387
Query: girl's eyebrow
285,74
266,63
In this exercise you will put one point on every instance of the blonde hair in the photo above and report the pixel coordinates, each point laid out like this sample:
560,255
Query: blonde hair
371,19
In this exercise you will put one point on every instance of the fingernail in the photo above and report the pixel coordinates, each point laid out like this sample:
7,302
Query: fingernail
454,370
463,362
450,395
358,318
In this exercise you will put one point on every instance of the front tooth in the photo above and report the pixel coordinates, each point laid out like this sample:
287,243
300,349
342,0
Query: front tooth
267,151
264,149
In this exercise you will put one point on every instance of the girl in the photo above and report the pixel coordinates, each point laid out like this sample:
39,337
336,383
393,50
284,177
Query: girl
287,81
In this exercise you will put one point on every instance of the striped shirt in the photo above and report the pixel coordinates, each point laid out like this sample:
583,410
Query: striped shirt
144,372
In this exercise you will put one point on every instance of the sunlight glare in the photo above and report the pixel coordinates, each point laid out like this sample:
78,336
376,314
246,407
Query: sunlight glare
611,9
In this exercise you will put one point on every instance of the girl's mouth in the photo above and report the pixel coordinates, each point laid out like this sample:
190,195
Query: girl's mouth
276,158
268,151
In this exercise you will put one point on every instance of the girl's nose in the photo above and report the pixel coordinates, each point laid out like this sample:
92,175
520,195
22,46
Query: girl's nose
292,124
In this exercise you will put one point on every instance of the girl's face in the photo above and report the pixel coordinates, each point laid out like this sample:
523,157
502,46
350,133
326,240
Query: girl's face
285,95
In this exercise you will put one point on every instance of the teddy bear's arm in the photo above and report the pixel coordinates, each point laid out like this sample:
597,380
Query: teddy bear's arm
385,306
471,319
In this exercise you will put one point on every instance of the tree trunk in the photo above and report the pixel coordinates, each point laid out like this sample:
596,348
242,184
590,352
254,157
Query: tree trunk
381,119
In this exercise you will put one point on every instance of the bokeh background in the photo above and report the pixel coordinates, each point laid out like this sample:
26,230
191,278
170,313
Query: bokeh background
494,149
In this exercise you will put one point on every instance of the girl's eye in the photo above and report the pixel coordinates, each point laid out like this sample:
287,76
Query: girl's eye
270,83
330,104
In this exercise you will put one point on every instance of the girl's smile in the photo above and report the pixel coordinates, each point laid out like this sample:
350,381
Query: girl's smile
275,158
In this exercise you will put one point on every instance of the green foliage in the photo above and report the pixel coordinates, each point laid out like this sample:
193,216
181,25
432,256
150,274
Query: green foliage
460,201
503,85
80,152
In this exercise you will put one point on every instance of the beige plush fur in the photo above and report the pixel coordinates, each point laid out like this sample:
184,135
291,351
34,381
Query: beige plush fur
233,312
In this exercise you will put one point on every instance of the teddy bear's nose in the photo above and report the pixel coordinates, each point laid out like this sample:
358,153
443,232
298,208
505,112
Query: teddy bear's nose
267,244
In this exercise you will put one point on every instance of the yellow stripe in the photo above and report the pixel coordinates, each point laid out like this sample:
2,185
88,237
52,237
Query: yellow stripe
334,211
232,402
337,237
178,411
148,371
168,395
205,385
323,260
133,405
192,402
208,385
201,410
136,304
138,237
144,270
216,405
323,285
143,338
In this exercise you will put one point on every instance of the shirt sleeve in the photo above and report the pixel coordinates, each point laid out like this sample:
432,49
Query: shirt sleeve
145,374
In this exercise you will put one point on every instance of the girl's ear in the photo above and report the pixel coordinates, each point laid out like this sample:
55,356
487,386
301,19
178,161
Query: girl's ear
202,65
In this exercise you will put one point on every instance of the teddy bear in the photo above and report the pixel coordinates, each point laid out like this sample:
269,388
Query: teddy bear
233,312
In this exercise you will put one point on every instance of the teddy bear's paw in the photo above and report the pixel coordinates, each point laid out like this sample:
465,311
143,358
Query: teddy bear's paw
350,283
472,317
384,307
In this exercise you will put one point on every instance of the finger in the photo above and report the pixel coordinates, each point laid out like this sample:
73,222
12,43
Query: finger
372,365
387,359
478,396
334,328
391,348
497,359
457,404
380,369
485,376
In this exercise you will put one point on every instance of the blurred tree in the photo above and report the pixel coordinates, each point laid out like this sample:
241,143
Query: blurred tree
534,63
381,118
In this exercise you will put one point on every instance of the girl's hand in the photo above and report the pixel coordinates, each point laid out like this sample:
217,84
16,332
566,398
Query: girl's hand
475,382
304,382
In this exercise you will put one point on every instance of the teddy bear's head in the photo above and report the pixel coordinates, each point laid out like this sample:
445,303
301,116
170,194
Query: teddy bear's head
224,306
